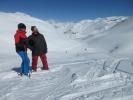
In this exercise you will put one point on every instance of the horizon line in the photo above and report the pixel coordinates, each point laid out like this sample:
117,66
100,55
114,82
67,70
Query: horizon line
54,20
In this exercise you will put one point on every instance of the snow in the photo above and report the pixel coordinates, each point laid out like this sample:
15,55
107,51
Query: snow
88,60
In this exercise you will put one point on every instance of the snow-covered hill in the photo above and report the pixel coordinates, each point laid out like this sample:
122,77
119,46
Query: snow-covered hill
88,60
111,34
9,21
62,36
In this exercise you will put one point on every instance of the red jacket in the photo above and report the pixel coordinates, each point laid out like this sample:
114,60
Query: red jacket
20,40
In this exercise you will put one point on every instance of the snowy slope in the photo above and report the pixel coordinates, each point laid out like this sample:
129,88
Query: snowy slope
89,28
88,60
118,39
8,28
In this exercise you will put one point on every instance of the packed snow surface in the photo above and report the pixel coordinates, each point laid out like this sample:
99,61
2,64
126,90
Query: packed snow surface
88,60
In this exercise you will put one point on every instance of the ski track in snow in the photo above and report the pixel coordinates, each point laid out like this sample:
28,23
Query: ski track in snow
58,82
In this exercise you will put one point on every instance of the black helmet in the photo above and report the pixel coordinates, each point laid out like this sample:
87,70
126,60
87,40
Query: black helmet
21,26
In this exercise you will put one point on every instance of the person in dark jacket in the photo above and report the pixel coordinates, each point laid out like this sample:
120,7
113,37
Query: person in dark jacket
21,48
39,48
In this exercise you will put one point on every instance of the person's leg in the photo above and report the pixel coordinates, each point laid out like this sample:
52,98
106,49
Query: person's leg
29,63
26,64
21,54
44,61
22,67
34,62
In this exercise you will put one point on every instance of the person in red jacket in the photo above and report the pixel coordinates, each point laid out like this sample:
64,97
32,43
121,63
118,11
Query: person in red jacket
39,48
21,48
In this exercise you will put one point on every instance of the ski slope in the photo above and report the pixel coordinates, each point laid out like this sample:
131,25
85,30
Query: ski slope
88,60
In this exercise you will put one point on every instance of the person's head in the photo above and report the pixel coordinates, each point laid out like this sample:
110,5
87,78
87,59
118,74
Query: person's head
22,27
34,30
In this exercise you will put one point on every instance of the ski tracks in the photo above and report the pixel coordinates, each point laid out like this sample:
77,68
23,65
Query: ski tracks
58,83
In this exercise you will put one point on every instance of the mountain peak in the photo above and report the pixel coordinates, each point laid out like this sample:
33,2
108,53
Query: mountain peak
14,13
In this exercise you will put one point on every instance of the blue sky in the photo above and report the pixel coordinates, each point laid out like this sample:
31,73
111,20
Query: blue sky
69,10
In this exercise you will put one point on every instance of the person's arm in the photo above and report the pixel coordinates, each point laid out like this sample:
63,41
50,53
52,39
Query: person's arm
25,41
45,45
29,43
17,40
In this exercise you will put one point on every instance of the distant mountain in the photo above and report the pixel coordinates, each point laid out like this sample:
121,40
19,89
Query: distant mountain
111,34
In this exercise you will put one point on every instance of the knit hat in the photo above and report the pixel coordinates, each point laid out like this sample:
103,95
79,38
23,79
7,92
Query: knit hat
21,26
